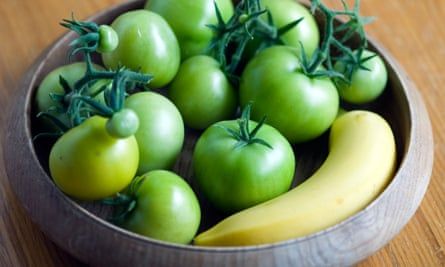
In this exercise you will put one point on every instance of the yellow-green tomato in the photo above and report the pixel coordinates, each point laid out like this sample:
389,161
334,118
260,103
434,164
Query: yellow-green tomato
160,135
190,19
166,208
366,84
146,44
89,164
202,92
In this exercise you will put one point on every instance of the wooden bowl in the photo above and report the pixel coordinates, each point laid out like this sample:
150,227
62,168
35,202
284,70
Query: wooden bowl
81,230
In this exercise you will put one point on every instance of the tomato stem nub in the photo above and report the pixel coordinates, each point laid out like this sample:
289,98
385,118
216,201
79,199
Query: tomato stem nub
244,136
124,203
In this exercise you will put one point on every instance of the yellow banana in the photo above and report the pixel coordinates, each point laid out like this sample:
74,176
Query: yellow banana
361,162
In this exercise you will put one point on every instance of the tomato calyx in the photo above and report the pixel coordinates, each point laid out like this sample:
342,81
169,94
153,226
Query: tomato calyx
231,37
124,203
332,44
352,64
244,136
89,34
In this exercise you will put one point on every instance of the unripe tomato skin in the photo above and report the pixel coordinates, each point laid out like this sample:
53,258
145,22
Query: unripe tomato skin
189,20
160,135
305,33
166,209
202,92
146,44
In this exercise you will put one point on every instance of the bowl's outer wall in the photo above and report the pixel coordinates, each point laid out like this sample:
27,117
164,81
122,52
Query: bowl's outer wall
99,243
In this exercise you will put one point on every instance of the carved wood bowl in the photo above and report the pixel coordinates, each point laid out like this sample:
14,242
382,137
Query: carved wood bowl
80,229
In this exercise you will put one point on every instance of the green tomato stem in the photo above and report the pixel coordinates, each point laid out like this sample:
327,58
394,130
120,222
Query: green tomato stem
354,26
244,136
242,27
77,102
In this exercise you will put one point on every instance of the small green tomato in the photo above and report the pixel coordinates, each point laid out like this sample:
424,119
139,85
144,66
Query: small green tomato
202,92
366,84
166,208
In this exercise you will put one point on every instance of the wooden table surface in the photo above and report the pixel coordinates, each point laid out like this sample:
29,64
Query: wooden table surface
413,31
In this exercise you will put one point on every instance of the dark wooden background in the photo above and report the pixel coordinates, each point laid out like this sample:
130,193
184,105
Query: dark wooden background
413,31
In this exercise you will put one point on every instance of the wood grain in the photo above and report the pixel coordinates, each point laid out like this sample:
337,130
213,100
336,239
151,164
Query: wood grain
413,26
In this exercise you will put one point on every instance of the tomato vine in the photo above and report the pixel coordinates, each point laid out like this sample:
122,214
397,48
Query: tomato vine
334,46
75,101
231,37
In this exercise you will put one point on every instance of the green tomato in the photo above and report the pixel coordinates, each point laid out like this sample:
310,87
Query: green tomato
300,107
366,84
202,92
146,44
108,39
234,178
51,85
190,19
166,208
89,164
161,130
306,33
